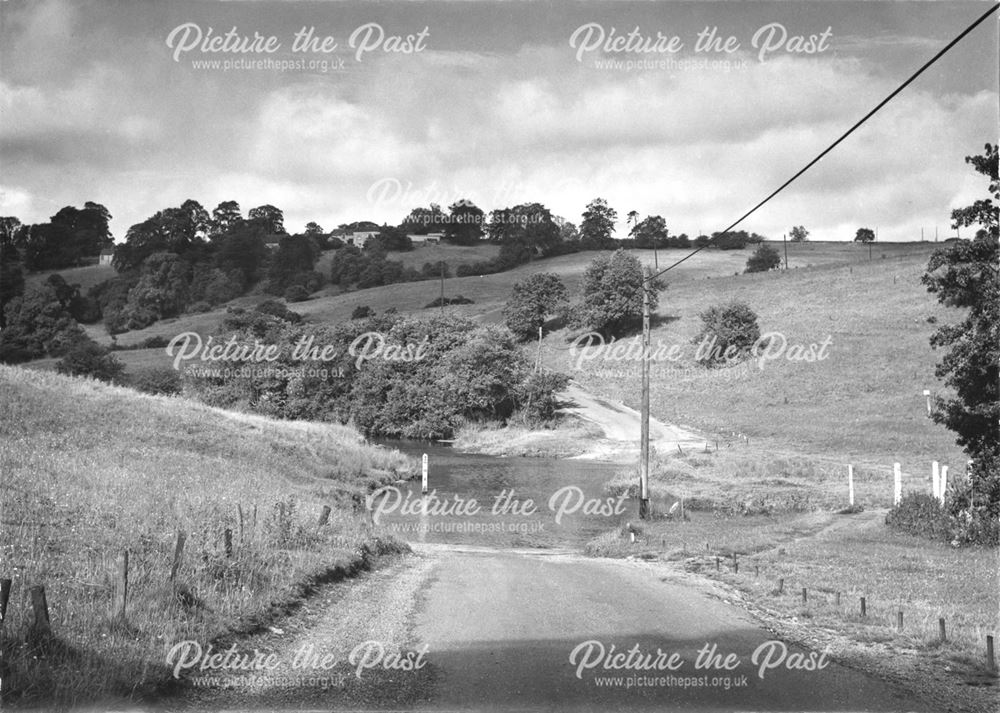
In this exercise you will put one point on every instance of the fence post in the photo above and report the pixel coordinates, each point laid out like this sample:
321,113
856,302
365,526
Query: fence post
178,554
943,482
990,660
227,540
40,607
239,509
122,585
837,599
897,484
781,585
899,620
850,485
864,607
804,595
423,480
935,479
4,598
942,634
324,516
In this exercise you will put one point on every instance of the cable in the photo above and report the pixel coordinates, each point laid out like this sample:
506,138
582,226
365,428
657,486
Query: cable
847,133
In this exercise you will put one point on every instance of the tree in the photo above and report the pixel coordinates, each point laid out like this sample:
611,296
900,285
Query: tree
799,234
393,238
964,275
225,216
314,230
597,226
612,294
650,233
465,224
864,235
632,218
422,221
728,333
270,217
763,259
88,358
296,254
11,275
37,325
531,301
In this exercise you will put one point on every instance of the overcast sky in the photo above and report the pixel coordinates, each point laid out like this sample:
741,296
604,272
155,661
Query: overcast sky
502,103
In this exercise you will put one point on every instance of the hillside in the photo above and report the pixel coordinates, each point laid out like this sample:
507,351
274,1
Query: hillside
90,470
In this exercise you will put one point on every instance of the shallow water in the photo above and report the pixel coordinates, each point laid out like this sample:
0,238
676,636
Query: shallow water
483,500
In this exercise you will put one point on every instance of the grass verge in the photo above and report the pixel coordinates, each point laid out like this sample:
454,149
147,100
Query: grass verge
89,471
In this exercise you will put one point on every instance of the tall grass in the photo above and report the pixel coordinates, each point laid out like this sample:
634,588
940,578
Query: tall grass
88,470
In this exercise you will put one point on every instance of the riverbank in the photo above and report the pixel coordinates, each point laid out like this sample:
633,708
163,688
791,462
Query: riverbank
588,428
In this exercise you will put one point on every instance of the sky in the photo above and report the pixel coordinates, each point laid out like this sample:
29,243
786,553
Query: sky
141,105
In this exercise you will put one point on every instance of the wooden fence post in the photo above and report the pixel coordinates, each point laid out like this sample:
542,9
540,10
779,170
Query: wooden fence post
324,516
864,607
836,599
40,607
239,509
423,471
781,585
804,598
178,554
942,634
122,585
4,598
227,541
716,564
990,660
899,620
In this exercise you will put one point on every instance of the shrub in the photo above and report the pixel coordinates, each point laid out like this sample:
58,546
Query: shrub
765,258
456,300
88,358
728,333
199,307
612,294
362,312
155,380
920,514
531,301
296,293
279,310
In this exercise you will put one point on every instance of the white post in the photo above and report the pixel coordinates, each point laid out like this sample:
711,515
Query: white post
424,479
936,479
897,484
943,483
850,485
927,395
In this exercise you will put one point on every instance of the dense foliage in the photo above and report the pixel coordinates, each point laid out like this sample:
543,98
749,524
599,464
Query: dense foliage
612,294
728,333
764,258
964,275
449,371
532,301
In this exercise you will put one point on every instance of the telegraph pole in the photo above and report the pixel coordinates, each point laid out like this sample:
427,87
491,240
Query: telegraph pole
442,287
784,239
644,437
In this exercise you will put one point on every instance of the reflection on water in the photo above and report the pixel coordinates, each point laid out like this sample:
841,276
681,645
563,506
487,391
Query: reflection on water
502,489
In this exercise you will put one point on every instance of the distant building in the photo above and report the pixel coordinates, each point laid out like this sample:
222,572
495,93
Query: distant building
107,255
421,240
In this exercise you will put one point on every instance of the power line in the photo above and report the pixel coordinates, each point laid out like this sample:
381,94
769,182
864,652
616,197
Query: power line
843,136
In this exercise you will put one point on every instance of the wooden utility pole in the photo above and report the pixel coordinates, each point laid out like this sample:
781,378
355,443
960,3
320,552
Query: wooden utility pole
644,437
784,239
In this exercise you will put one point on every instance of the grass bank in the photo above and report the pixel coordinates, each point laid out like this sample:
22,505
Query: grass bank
90,471
568,438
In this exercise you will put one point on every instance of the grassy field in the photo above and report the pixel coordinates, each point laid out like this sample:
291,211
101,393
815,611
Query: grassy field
89,471
855,555
863,402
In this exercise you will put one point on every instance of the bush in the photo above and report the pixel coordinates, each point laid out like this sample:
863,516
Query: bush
199,307
88,358
729,332
920,514
155,380
612,294
279,310
765,258
362,312
296,293
456,300
531,301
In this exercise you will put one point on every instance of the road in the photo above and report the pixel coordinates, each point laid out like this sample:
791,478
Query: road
500,627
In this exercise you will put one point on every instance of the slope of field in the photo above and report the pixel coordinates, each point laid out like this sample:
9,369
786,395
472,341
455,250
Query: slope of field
490,292
89,471
862,402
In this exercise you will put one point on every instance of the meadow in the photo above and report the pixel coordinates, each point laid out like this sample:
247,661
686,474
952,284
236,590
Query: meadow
89,471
